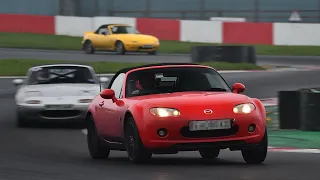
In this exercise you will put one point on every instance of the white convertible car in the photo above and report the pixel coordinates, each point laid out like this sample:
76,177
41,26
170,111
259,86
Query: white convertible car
56,93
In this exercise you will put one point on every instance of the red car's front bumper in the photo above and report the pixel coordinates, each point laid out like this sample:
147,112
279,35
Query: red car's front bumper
180,138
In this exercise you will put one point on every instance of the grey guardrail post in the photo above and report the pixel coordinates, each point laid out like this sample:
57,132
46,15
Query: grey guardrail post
232,54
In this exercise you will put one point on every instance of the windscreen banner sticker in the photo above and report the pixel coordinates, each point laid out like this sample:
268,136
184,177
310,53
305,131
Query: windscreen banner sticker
35,69
90,80
61,71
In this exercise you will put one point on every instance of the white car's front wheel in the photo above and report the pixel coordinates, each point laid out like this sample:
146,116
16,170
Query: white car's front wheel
21,121
152,52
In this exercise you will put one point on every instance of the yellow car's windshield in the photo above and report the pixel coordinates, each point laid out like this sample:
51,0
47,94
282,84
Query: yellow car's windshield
124,30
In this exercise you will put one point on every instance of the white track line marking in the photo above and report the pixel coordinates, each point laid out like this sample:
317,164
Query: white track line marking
293,150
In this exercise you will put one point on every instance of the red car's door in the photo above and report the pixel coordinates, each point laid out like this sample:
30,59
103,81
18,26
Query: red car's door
100,118
109,114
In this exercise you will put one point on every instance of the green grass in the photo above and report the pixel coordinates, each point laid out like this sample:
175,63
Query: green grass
294,138
19,67
40,41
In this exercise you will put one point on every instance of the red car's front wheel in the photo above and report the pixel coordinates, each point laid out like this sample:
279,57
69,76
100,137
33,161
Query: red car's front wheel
257,154
137,153
209,153
96,148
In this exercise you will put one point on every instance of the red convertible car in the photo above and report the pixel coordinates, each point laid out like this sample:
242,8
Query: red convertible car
167,108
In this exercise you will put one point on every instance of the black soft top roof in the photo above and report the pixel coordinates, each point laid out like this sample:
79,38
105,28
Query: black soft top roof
107,25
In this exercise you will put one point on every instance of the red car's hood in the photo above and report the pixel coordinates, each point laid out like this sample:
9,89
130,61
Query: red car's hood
192,99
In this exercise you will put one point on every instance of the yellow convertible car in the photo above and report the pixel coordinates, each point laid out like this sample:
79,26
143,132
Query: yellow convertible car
120,38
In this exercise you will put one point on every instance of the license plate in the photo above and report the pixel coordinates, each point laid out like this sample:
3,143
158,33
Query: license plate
209,125
58,107
147,46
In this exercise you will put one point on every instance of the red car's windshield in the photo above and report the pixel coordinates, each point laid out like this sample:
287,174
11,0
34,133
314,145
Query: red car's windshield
174,79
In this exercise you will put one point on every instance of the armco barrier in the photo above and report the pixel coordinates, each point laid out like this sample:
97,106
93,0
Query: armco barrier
170,29
247,33
233,54
164,29
27,24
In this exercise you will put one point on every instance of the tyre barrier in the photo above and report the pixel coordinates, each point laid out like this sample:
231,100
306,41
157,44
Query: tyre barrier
300,109
232,54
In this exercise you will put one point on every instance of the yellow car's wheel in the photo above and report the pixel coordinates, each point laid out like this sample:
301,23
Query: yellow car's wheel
152,53
88,47
120,49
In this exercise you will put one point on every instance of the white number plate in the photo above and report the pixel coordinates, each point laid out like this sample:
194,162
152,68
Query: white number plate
209,125
147,46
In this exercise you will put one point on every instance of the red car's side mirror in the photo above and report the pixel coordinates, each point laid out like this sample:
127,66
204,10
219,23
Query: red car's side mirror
108,94
238,87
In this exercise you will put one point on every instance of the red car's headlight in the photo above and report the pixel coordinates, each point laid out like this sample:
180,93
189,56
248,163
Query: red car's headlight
164,112
244,108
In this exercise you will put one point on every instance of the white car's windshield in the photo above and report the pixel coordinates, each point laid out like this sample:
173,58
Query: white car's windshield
124,30
174,79
61,74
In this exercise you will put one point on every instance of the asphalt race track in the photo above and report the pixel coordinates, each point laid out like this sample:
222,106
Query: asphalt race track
60,153
105,56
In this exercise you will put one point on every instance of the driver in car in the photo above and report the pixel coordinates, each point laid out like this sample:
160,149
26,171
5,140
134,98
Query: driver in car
145,84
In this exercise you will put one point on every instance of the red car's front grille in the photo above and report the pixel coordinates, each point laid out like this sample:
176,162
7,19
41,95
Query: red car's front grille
195,146
185,132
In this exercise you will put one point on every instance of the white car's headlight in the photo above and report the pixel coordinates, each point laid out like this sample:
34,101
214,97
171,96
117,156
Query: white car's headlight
84,100
33,102
164,112
244,108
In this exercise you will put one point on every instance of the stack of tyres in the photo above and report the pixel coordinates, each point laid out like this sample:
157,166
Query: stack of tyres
231,54
300,109
289,109
310,110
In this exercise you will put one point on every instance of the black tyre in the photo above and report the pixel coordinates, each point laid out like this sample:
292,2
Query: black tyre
137,153
120,49
21,122
97,149
152,53
88,47
209,153
258,154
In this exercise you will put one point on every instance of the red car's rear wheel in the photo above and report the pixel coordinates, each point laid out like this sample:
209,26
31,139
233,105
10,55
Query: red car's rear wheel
257,154
96,148
137,153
